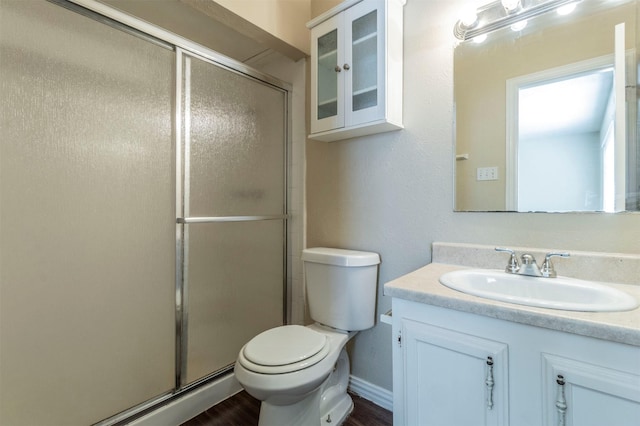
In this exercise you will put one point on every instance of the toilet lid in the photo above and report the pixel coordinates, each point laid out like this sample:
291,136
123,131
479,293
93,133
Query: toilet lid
284,345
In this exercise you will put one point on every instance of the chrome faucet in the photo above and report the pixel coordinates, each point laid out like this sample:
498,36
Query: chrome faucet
529,266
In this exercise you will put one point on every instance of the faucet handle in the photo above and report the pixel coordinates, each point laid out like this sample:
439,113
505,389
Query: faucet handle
547,269
513,266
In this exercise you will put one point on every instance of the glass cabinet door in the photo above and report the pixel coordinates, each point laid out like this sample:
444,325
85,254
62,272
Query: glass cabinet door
364,57
365,77
328,73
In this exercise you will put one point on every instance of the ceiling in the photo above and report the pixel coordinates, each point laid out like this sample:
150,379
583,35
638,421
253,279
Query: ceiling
576,104
209,24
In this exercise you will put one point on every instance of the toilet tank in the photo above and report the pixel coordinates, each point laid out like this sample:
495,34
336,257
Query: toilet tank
341,287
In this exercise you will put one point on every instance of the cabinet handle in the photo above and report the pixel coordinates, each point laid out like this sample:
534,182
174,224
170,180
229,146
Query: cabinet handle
561,402
489,382
346,67
337,68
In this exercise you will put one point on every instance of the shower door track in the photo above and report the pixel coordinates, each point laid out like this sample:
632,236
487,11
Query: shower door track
165,38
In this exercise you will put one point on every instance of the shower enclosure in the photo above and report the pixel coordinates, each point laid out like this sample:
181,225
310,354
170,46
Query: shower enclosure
143,214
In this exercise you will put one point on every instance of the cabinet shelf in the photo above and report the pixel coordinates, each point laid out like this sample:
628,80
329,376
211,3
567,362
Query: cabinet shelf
371,36
365,90
327,102
333,53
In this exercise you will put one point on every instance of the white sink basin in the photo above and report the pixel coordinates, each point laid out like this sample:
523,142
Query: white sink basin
564,293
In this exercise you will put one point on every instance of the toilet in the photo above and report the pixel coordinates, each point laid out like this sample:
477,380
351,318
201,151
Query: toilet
301,373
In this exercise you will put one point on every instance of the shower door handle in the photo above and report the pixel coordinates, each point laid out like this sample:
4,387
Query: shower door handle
213,219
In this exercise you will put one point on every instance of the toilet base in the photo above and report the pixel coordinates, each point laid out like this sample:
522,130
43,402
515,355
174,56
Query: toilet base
339,413
328,405
306,412
336,404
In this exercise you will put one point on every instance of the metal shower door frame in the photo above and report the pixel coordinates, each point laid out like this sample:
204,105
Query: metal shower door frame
182,126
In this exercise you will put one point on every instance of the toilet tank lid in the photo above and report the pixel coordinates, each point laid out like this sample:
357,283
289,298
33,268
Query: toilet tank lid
340,257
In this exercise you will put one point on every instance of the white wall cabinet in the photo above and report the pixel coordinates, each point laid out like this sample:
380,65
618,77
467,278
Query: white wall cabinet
538,376
356,72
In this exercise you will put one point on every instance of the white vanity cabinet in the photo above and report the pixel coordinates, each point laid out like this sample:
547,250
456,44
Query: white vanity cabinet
459,368
584,393
451,378
356,72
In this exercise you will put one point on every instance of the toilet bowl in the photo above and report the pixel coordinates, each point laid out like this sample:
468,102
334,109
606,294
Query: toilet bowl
301,373
304,391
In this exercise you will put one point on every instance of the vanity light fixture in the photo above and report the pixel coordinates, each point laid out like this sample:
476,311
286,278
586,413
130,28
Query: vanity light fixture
504,13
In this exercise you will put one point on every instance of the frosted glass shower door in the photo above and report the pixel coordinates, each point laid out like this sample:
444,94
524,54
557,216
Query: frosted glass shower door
235,191
87,225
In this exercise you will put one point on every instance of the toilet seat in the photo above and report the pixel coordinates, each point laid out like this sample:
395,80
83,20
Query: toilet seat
284,350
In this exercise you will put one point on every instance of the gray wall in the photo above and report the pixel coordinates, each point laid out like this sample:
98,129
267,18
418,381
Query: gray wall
393,193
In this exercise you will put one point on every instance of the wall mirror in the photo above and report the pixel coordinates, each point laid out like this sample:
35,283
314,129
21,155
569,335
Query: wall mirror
546,113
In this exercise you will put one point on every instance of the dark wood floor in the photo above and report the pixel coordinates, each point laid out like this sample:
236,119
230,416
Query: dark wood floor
243,410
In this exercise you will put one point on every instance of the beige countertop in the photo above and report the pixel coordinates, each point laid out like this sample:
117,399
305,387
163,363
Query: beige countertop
423,286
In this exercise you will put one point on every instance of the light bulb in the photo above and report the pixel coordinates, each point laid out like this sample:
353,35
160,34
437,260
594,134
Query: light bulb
566,9
469,20
469,17
519,26
510,5
479,39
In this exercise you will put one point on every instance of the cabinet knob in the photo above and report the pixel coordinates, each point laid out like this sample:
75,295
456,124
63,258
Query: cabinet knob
337,68
346,67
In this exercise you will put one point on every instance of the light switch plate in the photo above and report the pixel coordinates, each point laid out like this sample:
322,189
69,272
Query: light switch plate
487,173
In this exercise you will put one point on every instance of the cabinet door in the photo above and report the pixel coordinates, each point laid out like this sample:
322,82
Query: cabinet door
327,75
365,62
453,378
582,394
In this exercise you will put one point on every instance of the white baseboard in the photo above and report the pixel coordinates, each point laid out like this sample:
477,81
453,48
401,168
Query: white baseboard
379,396
192,404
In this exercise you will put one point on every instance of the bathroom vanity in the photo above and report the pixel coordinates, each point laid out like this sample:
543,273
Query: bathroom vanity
464,360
